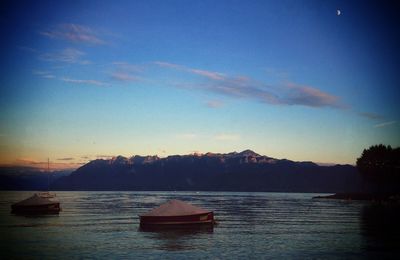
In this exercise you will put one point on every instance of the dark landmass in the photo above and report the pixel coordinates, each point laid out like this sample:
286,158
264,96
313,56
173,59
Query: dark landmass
245,171
363,196
379,166
28,178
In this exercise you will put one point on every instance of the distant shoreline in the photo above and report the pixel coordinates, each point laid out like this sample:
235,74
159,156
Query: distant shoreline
159,190
363,196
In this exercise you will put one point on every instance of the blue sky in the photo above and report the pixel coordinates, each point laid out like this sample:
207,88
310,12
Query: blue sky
289,79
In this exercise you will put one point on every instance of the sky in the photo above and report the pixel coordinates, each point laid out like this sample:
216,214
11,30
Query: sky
303,80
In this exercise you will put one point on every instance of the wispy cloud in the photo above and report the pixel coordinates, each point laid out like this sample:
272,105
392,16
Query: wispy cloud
169,65
129,67
385,124
227,137
126,72
74,33
86,81
49,76
43,74
29,161
214,103
66,159
68,55
204,73
245,87
241,87
288,94
123,76
372,116
43,165
309,96
208,74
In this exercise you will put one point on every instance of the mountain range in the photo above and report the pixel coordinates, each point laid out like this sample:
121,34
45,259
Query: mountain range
243,171
28,178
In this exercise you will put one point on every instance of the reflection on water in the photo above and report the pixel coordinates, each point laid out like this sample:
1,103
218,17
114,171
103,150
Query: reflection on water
178,238
256,225
380,225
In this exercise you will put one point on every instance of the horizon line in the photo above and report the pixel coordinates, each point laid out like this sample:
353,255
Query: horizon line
59,166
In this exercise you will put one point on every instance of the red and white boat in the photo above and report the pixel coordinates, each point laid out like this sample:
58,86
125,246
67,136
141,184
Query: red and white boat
177,213
39,203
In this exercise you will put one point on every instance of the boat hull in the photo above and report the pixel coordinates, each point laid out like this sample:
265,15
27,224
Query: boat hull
53,208
196,219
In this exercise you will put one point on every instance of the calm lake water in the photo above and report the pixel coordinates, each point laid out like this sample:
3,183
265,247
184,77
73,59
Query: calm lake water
250,225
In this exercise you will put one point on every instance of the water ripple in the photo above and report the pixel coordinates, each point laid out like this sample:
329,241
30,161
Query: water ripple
255,225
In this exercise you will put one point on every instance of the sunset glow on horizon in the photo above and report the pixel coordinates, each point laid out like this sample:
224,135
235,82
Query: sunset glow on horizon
288,79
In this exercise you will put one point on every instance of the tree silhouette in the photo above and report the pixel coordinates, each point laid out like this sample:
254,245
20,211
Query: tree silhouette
380,165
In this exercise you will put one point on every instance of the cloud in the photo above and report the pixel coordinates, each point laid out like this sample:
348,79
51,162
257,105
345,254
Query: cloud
125,66
68,55
48,76
86,81
74,33
122,76
208,74
227,137
66,159
43,165
29,161
247,88
371,115
241,87
384,124
308,96
214,104
44,74
289,94
204,73
126,72
169,65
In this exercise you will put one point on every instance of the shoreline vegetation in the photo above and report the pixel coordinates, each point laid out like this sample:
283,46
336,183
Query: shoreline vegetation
379,166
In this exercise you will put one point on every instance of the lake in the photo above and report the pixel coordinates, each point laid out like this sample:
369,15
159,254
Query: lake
250,225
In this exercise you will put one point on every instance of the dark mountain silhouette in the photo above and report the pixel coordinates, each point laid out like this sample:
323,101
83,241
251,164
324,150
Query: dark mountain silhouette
244,171
28,178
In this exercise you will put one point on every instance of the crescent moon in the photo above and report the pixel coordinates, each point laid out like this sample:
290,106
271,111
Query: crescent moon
338,12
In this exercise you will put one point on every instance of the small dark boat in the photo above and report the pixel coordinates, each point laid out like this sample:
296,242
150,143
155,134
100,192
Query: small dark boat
39,203
177,213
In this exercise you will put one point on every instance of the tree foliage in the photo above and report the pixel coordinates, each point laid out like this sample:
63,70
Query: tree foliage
380,163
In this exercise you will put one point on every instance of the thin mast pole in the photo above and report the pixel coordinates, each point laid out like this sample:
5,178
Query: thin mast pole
48,174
